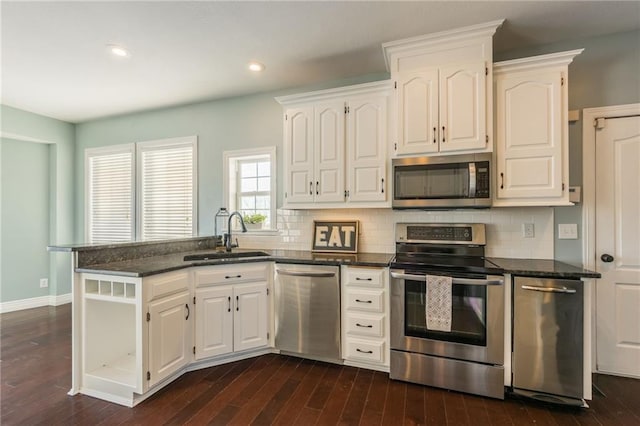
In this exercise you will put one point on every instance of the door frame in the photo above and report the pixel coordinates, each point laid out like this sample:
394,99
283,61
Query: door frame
589,115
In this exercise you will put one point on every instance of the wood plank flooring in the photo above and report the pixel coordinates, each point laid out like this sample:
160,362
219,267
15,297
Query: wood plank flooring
35,371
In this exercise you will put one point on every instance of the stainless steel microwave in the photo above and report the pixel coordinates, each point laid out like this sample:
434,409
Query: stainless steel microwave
446,182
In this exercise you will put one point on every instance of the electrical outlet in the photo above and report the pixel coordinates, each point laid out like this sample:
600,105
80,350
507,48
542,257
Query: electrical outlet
528,230
567,231
44,282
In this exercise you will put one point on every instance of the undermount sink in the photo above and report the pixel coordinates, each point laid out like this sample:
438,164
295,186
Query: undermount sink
224,255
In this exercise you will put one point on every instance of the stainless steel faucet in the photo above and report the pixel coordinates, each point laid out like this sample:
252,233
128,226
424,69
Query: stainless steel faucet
227,237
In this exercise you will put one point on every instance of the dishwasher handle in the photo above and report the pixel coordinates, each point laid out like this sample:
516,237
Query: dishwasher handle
464,281
306,273
548,289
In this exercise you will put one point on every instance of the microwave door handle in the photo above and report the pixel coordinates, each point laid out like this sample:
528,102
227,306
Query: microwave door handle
464,281
472,180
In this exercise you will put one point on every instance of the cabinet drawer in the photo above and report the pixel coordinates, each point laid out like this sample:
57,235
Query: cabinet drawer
365,325
230,274
365,300
372,351
364,277
164,284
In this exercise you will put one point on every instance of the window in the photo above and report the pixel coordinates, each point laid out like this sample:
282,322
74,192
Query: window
142,191
250,182
109,194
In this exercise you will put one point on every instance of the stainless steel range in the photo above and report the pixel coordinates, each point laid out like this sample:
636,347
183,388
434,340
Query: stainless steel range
467,354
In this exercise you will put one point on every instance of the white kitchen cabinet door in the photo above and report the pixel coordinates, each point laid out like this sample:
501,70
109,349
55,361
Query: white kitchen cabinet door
170,345
367,142
214,321
328,183
250,316
529,150
417,104
299,155
462,116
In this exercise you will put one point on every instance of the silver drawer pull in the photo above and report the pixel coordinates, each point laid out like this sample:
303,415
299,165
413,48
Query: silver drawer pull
548,289
363,301
364,326
363,279
363,352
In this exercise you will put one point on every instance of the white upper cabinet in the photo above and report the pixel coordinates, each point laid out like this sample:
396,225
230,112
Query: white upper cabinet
444,101
336,144
328,181
366,153
532,155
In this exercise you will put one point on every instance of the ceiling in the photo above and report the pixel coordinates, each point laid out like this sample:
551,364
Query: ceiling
55,61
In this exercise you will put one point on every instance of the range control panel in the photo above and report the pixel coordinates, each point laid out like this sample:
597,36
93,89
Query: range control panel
448,233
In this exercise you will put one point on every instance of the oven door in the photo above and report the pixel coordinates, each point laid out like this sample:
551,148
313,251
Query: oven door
477,318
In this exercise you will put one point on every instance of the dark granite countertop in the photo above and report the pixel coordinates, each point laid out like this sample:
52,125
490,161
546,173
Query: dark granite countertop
146,266
140,259
542,268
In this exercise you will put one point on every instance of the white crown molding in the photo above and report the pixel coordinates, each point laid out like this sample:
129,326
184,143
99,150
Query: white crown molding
34,302
320,95
486,29
526,64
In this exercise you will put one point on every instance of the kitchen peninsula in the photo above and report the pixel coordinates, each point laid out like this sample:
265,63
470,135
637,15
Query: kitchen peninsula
145,294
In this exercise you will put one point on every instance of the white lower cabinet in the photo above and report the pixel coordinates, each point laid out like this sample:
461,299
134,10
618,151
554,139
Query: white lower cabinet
232,311
136,332
169,336
365,317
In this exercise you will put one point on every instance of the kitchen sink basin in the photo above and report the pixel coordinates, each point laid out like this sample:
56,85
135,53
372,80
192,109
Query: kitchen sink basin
224,255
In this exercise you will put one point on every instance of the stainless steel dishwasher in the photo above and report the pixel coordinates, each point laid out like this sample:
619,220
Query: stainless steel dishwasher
548,339
307,301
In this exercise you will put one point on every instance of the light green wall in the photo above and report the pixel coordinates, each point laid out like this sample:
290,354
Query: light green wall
57,138
228,124
606,73
25,219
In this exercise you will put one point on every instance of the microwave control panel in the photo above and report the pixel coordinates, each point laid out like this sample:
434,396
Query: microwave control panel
482,179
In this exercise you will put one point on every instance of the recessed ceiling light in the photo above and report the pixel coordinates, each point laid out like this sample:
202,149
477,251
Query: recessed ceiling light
118,51
256,66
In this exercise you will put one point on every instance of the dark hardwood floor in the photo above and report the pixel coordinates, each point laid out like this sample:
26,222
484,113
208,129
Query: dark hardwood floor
35,370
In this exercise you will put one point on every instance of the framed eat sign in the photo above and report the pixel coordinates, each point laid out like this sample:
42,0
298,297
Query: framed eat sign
335,236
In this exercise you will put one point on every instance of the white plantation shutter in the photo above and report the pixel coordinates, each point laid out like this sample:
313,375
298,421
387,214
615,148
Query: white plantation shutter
166,188
110,178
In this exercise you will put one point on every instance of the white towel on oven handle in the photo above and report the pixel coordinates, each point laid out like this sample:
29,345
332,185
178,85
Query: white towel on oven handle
438,303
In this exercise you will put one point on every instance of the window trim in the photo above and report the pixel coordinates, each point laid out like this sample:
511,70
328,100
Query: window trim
100,151
248,154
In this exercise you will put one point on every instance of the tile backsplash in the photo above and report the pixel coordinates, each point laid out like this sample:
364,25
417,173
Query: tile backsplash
377,229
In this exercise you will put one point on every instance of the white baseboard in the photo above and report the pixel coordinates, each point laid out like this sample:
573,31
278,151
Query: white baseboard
34,302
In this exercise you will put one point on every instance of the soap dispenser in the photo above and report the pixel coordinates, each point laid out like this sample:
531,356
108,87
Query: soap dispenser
221,223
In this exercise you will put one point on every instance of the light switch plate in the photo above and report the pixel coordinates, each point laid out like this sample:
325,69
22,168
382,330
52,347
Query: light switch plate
567,231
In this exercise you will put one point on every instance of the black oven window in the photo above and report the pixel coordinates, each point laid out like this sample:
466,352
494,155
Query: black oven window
468,314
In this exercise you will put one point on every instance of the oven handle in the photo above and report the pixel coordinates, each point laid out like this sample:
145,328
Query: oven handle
464,281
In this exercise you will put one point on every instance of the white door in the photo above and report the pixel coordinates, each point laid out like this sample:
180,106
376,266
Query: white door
417,125
618,236
169,336
250,316
463,96
367,141
299,155
328,184
214,322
